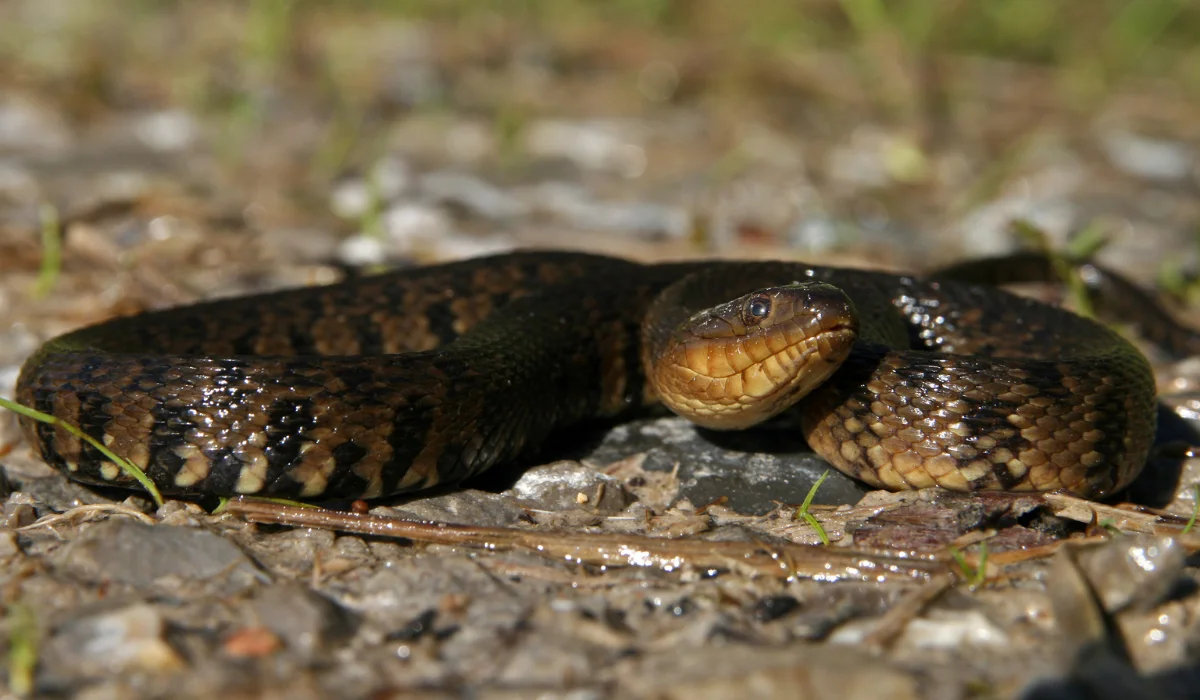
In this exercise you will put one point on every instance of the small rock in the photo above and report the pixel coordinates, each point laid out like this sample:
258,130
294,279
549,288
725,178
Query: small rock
17,183
300,244
355,197
391,598
126,640
304,620
753,470
467,507
551,659
391,176
361,251
27,126
954,629
474,194
1137,570
816,234
471,142
168,130
793,671
252,643
18,515
578,209
352,199
593,145
408,224
861,162
146,557
569,485
1146,157
9,546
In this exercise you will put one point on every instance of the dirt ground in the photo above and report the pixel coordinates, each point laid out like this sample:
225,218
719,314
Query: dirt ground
157,154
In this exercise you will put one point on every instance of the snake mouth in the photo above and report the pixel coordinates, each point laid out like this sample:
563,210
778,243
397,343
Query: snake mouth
744,362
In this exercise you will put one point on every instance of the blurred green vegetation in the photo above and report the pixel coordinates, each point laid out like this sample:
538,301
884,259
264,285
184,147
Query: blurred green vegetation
1110,39
248,61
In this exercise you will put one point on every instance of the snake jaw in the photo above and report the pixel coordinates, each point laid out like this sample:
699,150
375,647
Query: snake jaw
728,368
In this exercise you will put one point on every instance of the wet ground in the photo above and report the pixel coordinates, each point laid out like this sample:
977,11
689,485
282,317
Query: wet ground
211,151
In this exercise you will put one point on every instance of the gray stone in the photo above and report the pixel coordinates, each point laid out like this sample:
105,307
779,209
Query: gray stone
307,622
751,469
125,640
158,557
569,485
461,507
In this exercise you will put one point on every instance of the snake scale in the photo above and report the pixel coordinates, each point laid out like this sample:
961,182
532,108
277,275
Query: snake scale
397,382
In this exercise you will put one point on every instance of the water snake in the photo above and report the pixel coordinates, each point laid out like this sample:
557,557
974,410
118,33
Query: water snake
397,382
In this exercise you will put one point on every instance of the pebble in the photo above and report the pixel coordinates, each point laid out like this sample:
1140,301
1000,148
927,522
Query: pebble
569,485
355,197
308,623
409,224
954,629
168,130
1146,157
361,250
785,671
18,515
125,640
27,126
352,199
751,470
1136,570
465,507
860,162
638,219
473,194
592,145
150,557
9,546
18,183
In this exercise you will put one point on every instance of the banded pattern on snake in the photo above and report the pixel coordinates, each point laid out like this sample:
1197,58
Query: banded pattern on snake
398,382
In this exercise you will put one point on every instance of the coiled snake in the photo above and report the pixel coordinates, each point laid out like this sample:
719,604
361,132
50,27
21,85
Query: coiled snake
395,383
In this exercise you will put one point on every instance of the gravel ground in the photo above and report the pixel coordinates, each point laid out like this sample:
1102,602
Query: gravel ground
447,141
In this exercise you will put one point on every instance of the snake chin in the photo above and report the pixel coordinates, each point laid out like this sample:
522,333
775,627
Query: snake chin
764,373
816,360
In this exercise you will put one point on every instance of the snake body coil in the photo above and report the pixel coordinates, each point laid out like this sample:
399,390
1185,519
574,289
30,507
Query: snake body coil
399,382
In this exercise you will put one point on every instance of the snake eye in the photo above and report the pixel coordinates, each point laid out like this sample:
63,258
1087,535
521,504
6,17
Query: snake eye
757,309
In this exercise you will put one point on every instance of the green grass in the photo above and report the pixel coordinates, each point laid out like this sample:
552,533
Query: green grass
974,576
51,229
802,512
23,640
125,465
244,66
1195,509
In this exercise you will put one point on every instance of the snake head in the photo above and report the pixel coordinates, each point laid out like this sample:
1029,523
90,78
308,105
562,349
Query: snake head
743,361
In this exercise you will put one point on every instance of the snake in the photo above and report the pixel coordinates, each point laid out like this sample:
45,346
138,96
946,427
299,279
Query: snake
398,382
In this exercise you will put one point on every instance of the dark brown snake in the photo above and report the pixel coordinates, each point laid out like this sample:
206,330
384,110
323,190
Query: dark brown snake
394,383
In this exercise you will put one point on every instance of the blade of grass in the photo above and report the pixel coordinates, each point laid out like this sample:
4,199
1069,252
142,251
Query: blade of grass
1195,509
125,465
803,514
51,251
975,576
23,639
